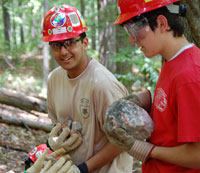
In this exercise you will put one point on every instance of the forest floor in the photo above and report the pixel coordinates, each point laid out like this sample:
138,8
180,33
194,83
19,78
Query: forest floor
17,141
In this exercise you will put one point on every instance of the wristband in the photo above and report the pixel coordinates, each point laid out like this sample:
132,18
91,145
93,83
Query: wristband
83,167
141,150
47,143
25,171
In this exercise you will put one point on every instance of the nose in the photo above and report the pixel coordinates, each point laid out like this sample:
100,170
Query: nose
63,50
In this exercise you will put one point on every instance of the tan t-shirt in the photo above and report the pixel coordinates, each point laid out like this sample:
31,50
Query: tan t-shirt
85,99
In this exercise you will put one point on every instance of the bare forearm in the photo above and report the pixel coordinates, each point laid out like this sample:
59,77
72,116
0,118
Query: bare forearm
103,157
187,155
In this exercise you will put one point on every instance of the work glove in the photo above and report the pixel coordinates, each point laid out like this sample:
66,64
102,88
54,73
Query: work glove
66,139
139,149
127,126
46,163
142,99
61,166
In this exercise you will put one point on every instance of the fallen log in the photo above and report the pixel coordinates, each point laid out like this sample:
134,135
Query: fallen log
17,148
27,103
26,123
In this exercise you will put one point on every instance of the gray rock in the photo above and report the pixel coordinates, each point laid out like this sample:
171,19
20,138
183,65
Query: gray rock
126,121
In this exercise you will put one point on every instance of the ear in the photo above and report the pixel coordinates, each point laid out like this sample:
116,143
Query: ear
162,23
85,43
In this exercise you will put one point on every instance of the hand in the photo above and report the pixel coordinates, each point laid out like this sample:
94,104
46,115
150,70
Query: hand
39,163
64,139
139,149
121,139
47,163
61,166
142,99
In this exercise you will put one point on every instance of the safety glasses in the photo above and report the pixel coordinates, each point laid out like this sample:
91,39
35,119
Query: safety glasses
137,30
70,43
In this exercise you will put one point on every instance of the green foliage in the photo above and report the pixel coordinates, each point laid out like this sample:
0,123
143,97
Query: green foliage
26,77
145,71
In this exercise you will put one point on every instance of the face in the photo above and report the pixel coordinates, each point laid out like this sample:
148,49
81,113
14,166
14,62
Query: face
71,55
141,34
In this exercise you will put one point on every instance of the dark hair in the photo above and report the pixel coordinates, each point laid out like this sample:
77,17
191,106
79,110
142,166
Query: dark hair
173,20
82,35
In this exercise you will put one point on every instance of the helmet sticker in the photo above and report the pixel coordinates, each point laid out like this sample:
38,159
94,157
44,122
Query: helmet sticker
62,7
74,19
33,151
147,1
58,19
69,28
59,30
56,9
82,19
38,154
49,31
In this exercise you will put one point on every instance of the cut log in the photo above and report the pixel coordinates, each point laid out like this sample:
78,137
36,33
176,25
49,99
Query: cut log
26,123
27,103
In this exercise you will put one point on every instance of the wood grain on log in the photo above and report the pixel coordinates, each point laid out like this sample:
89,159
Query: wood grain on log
27,103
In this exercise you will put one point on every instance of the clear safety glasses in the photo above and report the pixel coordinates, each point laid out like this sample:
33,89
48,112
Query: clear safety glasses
137,30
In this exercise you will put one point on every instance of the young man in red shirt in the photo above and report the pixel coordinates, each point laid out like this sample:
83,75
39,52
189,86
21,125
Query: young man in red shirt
155,26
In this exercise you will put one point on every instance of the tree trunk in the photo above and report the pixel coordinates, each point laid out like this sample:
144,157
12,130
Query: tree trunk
45,53
27,103
94,25
193,16
107,33
22,29
14,25
33,26
83,8
6,21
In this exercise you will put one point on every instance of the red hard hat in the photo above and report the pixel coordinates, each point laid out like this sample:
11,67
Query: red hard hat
37,151
63,22
132,8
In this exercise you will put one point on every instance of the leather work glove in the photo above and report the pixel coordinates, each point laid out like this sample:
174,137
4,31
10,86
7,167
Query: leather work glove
142,99
67,140
61,166
139,149
47,164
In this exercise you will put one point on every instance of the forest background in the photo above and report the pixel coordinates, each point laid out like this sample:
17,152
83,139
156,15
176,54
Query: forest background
25,62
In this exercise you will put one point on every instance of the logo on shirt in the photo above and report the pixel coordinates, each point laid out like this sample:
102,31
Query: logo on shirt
84,108
160,100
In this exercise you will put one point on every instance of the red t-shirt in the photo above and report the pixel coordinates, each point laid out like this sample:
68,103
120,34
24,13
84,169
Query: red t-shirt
176,108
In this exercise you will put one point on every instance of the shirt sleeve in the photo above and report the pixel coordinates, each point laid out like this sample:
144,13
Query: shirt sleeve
104,95
188,112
